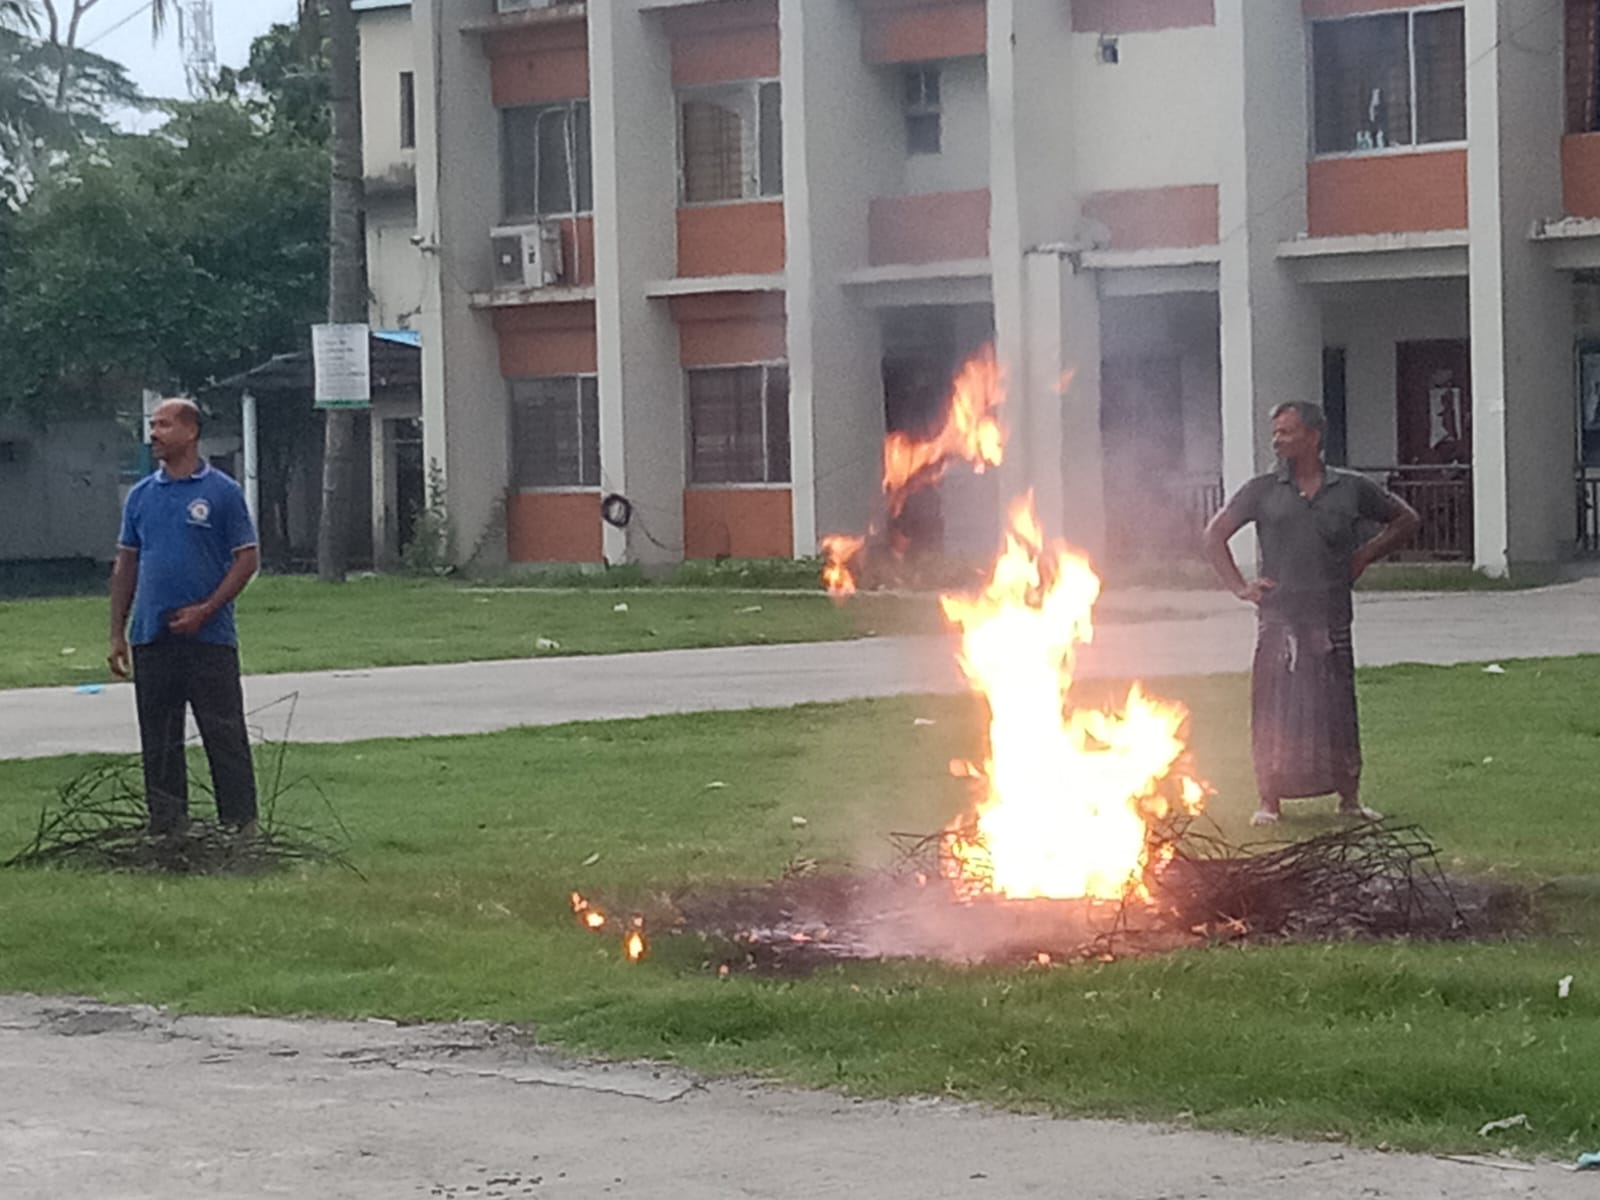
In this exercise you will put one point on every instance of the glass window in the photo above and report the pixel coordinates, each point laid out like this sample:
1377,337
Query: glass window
730,142
1367,95
924,120
739,425
547,165
555,432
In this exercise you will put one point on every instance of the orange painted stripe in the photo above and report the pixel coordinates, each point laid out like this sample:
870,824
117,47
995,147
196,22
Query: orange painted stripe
1386,193
547,339
730,328
539,65
935,227
738,523
745,238
923,30
553,527
1149,217
1580,174
723,42
1141,16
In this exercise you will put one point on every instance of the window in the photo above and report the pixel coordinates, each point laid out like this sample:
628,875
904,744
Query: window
546,162
923,119
730,142
1396,79
1583,66
555,432
739,425
408,110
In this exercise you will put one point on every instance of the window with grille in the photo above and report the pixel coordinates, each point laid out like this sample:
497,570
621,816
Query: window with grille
1583,66
555,432
546,163
924,116
1393,79
730,142
739,425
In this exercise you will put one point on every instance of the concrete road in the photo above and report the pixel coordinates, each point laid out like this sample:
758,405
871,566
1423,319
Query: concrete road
1147,634
133,1104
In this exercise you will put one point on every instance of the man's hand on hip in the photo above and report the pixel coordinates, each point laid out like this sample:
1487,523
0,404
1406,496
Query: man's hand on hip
119,660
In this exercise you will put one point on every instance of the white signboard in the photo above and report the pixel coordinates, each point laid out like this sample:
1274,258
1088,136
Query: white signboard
343,361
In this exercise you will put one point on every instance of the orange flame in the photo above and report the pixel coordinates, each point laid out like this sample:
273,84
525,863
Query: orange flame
1067,790
838,550
588,914
971,433
634,946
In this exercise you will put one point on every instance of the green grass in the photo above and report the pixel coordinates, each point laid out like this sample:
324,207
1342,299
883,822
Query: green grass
470,846
291,623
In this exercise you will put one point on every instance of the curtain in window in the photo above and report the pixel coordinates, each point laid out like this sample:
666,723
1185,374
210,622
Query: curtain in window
713,152
1441,54
1362,75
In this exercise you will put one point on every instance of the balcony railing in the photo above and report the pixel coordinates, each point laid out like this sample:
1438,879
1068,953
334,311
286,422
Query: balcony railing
1166,525
1442,496
1588,481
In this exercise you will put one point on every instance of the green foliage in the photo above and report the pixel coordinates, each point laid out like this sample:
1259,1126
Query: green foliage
431,550
164,260
288,77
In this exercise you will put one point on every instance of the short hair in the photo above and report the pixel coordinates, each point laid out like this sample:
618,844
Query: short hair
190,410
1311,415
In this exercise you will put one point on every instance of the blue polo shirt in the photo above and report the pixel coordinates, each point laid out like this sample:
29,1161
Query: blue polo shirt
186,532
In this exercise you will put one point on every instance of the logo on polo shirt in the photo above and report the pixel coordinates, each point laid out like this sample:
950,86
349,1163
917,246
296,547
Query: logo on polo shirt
200,512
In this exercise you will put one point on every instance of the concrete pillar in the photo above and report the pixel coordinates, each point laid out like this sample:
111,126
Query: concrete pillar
1046,318
250,465
1521,317
634,137
464,397
836,158
1271,327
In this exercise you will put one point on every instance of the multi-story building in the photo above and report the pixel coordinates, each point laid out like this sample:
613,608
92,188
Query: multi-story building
702,254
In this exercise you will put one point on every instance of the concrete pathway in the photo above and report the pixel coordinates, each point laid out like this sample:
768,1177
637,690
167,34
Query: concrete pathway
134,1104
1142,634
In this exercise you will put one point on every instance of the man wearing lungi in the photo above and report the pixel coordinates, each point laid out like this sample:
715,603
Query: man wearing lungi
1310,519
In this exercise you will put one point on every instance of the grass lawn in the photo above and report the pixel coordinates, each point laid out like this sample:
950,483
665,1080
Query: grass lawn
291,623
470,846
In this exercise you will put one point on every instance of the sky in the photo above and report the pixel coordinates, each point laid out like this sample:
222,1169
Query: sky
158,67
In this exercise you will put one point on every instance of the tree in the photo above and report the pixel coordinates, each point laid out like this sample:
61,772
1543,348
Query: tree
288,76
347,259
162,260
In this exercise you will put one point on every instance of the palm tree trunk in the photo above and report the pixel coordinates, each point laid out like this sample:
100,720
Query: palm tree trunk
347,283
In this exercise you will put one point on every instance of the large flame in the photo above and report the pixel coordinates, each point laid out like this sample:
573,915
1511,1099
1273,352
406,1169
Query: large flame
1068,791
971,433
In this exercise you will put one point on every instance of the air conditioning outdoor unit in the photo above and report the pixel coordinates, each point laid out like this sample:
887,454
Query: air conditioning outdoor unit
527,256
510,6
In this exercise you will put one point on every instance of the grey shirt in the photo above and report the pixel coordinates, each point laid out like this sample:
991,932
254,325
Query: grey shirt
1307,545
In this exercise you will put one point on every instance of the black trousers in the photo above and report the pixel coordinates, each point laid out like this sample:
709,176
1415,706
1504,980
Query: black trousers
167,676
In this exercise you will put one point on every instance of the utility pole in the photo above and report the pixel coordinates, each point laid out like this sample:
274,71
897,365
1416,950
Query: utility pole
197,40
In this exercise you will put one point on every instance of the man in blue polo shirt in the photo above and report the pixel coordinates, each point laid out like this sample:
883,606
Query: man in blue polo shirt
188,547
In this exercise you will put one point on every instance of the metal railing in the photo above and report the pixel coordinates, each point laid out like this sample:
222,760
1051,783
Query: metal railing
1588,509
1442,496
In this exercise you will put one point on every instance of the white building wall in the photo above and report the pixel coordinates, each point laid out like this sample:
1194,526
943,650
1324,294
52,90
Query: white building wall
387,49
1152,119
962,163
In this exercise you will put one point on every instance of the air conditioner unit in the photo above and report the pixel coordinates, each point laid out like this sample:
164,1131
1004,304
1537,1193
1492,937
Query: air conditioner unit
511,6
527,256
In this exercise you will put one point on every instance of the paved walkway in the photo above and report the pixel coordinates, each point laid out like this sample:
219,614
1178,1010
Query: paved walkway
133,1103
1146,635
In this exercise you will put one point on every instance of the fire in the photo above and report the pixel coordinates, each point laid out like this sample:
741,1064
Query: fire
634,947
971,433
590,916
1067,791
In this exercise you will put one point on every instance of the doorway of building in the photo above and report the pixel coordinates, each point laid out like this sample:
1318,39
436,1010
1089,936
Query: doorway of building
410,478
1141,435
1433,437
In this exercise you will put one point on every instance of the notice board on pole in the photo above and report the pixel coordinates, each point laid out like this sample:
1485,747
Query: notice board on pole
342,356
